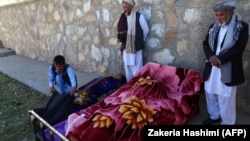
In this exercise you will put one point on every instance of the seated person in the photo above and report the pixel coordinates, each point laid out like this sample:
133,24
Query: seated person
62,78
63,84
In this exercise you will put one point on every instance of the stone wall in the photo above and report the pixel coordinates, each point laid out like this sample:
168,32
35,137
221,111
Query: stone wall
84,31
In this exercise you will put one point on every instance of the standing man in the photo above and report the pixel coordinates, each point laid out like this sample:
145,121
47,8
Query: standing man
62,78
223,47
132,32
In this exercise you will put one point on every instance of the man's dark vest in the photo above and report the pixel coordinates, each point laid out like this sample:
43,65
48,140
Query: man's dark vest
65,75
139,39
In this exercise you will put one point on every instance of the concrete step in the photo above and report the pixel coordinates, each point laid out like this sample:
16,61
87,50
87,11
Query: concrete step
6,52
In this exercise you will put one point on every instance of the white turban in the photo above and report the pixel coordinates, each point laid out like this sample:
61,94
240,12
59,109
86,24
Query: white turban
131,2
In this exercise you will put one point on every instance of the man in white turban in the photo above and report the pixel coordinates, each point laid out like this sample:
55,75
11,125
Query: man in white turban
223,47
132,31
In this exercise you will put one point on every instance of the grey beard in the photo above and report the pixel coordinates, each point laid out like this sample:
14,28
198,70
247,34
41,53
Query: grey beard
224,23
221,24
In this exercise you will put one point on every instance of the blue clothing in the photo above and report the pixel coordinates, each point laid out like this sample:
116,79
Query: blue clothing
58,81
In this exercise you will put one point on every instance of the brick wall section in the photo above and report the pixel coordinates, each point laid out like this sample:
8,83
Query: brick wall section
84,31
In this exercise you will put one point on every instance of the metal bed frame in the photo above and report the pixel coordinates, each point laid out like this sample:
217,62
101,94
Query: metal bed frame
39,125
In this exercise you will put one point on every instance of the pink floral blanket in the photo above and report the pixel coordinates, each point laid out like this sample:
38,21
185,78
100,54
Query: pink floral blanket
157,95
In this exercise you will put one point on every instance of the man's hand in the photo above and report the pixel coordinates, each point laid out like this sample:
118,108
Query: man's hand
214,61
52,89
122,47
73,90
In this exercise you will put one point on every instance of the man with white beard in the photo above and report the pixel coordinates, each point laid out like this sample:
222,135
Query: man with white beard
223,47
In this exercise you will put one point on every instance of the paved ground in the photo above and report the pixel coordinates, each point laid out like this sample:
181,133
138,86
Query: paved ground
34,73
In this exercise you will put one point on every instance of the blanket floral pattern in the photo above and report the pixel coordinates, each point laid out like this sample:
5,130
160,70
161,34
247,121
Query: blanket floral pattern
157,95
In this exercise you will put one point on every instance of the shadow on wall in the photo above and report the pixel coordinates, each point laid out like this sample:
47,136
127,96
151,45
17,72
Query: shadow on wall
1,44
